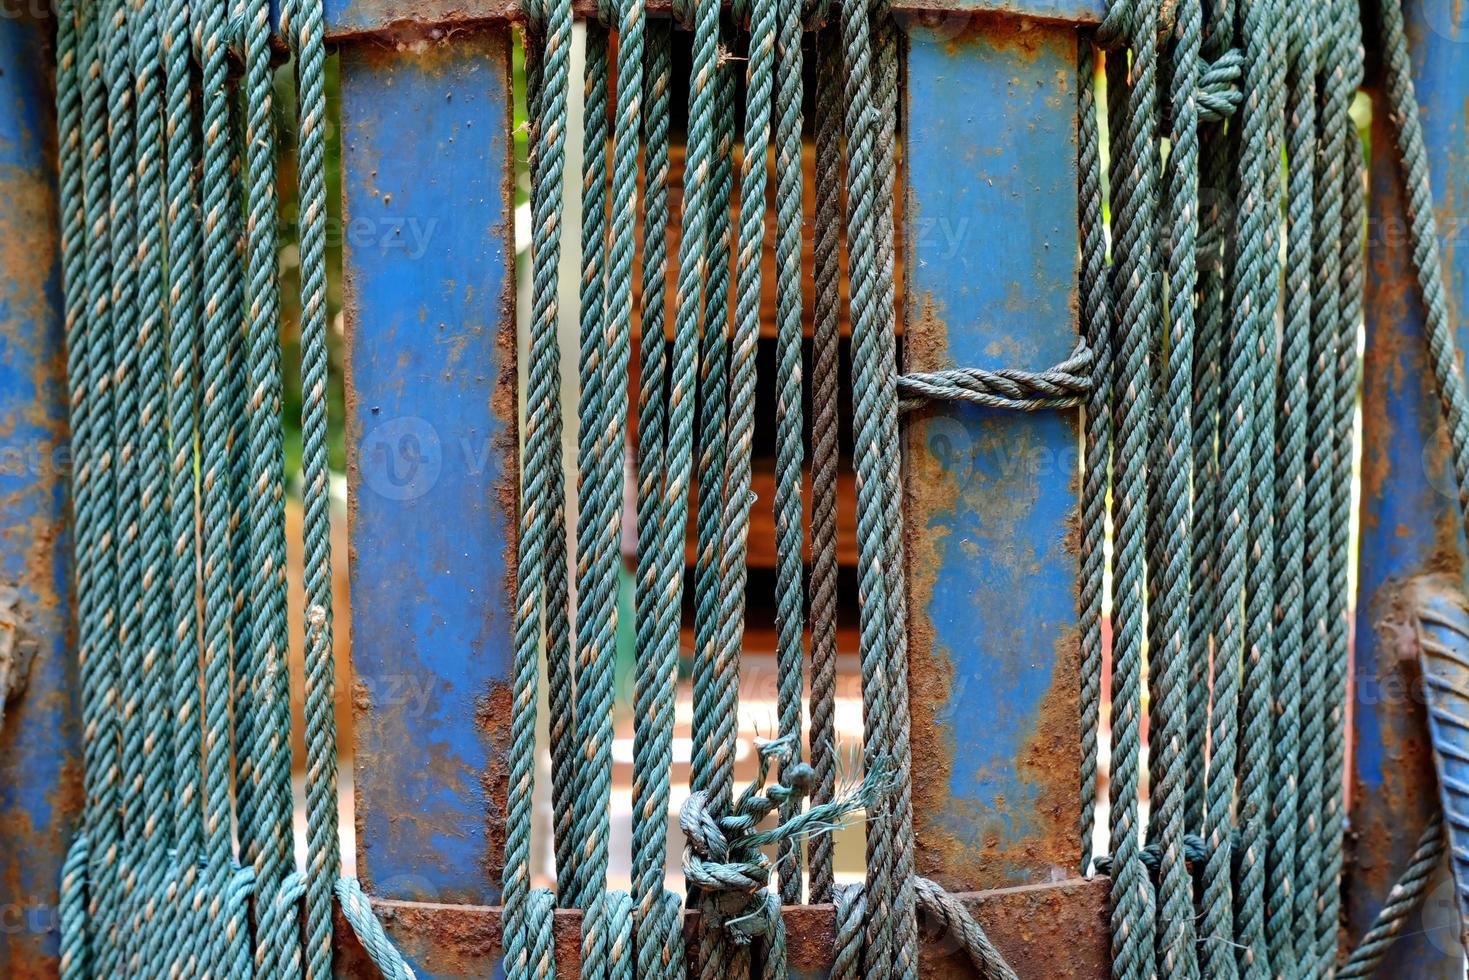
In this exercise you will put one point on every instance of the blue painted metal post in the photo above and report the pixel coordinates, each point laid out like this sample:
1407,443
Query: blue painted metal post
40,769
1410,522
992,271
427,177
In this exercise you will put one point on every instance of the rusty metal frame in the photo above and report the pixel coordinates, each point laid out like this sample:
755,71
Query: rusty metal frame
1056,931
399,19
1410,519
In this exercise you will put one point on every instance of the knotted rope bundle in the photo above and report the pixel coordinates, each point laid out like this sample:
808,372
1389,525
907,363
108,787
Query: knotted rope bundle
173,358
1220,424
696,408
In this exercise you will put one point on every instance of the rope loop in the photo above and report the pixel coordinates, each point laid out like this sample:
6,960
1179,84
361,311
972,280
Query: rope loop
1117,26
1219,91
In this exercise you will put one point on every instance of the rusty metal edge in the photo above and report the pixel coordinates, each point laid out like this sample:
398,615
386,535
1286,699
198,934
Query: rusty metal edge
386,21
1048,930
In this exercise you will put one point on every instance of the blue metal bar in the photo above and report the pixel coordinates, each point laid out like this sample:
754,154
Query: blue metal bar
991,241
429,267
40,766
1410,522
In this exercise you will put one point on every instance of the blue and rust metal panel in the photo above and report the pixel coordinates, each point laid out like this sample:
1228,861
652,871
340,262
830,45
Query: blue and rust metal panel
40,765
396,18
1410,521
991,496
433,462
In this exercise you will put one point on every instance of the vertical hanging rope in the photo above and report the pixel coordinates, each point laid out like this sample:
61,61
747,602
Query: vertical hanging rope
590,411
790,596
183,493
861,202
1172,523
75,44
885,92
1132,909
825,452
528,914
1290,478
1346,59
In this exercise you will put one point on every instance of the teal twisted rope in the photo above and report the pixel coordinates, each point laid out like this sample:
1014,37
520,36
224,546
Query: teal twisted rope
1291,412
851,917
71,57
1237,422
1096,330
1216,169
1402,902
790,596
714,404
558,627
594,682
737,495
866,400
885,94
710,671
1171,523
526,912
157,763
357,910
277,946
735,519
1255,729
209,940
1346,52
304,31
242,612
1334,128
825,447
955,920
590,410
1135,202
663,522
112,169
183,493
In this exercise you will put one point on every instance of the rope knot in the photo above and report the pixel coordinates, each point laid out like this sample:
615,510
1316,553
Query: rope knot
724,854
1219,90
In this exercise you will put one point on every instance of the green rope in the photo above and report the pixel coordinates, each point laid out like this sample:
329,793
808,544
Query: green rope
825,425
861,235
1171,521
1134,206
1344,407
1096,329
1291,411
1334,130
1402,902
790,425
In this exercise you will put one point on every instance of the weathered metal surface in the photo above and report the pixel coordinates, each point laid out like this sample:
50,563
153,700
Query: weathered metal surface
1443,641
990,495
403,20
429,265
1053,931
1410,522
40,770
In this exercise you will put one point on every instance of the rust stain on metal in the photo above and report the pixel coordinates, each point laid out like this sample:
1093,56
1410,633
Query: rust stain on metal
1053,930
